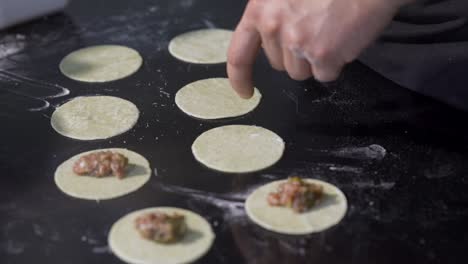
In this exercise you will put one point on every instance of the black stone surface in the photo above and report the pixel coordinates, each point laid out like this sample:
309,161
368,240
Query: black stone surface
400,158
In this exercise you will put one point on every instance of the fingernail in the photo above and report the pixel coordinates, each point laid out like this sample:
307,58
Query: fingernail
246,95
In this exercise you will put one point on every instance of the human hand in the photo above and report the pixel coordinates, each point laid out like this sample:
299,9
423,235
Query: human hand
306,38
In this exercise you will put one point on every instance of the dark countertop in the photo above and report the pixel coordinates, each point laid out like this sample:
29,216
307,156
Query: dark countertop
407,204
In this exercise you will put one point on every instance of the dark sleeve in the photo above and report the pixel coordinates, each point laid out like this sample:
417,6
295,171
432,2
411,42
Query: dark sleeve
425,49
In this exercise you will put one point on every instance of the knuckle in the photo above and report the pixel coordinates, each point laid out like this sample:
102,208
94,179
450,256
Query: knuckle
270,27
321,53
255,9
251,16
259,4
294,39
235,60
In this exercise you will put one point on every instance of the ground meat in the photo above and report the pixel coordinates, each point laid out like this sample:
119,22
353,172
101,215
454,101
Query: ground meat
296,194
101,163
161,227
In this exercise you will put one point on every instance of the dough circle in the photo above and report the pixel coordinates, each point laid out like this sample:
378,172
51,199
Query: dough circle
205,46
92,188
324,215
238,148
94,117
213,99
102,63
128,245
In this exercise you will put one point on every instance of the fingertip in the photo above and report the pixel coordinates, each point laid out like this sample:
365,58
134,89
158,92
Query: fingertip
243,49
326,73
327,77
243,87
246,94
301,74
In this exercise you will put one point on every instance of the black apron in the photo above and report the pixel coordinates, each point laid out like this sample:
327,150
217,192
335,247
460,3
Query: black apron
425,49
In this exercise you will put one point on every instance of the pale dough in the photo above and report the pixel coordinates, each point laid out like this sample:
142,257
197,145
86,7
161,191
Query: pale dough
102,63
238,148
214,98
327,213
128,245
94,117
207,46
93,188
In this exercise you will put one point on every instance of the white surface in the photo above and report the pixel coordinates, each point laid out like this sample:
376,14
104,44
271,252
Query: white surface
16,11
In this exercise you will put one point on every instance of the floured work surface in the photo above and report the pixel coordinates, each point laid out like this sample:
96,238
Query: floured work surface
404,208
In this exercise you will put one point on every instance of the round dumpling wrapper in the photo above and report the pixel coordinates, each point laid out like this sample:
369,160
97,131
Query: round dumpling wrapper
238,148
213,99
101,63
205,46
94,117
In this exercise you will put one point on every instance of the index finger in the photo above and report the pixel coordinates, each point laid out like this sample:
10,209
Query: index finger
243,49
